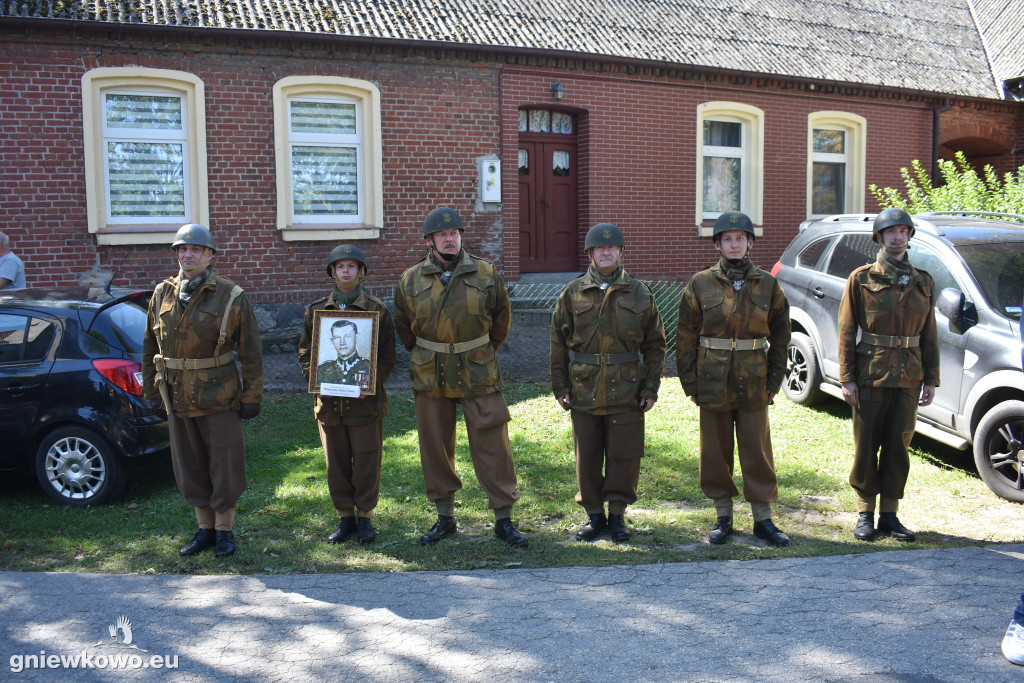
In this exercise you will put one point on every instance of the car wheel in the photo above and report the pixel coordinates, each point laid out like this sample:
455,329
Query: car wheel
802,383
78,467
999,450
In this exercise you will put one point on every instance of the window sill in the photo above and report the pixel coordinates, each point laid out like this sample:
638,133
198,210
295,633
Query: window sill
107,239
332,234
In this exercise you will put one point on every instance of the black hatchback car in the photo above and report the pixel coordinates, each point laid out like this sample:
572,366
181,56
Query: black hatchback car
977,263
71,406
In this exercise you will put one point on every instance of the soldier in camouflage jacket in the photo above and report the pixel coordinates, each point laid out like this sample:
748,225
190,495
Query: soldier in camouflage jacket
607,355
731,339
452,313
196,321
351,429
893,368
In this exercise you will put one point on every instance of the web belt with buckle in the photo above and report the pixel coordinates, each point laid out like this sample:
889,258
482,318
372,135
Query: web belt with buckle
452,347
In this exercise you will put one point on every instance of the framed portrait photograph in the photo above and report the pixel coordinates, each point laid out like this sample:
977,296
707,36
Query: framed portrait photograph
344,353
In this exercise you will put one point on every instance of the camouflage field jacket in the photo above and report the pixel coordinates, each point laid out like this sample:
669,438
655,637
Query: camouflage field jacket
710,306
336,410
179,331
617,318
872,302
472,305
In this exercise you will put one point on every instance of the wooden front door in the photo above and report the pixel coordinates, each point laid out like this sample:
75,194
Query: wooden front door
547,204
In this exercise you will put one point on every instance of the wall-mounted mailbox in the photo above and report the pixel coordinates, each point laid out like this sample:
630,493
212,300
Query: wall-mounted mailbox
490,180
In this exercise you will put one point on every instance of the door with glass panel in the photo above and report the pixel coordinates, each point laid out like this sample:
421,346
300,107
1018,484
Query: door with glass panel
547,192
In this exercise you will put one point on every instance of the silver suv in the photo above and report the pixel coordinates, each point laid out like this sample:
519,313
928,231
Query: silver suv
978,266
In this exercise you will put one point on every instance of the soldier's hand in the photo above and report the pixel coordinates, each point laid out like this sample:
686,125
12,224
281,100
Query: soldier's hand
927,395
851,394
156,406
647,403
565,401
249,411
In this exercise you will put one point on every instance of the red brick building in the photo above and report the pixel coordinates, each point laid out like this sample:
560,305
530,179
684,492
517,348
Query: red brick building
289,133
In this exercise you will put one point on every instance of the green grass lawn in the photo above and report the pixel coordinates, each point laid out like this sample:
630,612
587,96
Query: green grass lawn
286,512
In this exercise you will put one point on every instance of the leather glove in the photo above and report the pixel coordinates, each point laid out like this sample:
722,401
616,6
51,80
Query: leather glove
249,411
156,406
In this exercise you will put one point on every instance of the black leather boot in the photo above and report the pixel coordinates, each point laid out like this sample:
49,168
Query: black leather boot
617,528
593,528
865,529
204,538
443,528
888,523
720,532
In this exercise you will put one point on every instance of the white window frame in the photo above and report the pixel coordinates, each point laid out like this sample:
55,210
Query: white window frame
855,127
366,96
96,84
751,154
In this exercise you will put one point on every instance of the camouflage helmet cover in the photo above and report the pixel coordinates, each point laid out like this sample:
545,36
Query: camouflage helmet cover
602,235
888,218
732,220
345,251
441,218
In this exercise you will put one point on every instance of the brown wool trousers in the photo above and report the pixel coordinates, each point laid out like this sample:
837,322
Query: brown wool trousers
883,426
487,428
208,456
753,442
608,453
353,455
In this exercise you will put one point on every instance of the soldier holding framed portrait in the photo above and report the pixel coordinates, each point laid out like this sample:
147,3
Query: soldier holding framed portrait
347,351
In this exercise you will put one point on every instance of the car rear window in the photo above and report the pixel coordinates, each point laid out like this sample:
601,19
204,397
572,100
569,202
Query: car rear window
813,255
998,267
122,325
852,252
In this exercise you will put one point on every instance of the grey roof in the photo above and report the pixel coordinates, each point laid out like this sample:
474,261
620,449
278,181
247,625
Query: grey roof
925,45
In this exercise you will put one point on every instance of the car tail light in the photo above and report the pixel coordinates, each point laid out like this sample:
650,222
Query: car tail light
776,268
123,374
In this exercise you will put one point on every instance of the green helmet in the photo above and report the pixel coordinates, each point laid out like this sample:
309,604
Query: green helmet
441,218
345,251
888,218
732,220
604,235
193,233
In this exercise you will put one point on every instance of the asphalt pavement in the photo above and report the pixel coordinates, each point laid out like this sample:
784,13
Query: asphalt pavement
908,616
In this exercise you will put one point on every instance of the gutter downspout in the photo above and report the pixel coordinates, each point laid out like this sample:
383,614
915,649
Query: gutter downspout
936,115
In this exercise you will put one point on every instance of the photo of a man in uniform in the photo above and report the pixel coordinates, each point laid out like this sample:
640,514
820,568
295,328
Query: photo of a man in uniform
349,367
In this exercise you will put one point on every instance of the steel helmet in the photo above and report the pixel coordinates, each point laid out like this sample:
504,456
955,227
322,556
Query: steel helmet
193,233
888,218
441,218
732,220
345,251
604,235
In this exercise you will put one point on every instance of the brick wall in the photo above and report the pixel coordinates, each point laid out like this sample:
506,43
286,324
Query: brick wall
638,156
440,111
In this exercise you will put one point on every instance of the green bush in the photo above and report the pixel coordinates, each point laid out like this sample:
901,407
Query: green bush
962,189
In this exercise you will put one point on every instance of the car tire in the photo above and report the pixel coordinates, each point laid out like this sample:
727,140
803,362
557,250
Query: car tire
802,382
78,467
999,449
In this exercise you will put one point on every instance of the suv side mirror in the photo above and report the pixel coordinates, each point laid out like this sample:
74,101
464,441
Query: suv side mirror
953,304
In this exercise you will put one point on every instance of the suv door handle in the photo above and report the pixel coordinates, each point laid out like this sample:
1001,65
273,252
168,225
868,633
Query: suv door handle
818,293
